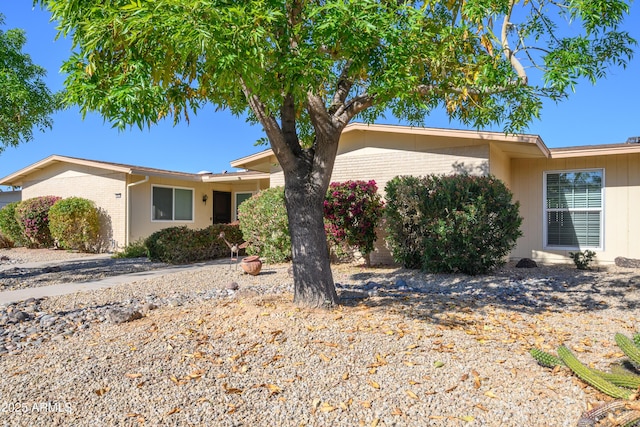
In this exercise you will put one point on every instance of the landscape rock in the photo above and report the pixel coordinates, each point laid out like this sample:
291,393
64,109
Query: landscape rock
117,316
526,263
232,286
149,306
20,316
174,302
627,262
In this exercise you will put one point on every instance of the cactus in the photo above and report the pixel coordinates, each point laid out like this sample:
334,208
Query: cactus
636,340
628,419
591,378
589,418
545,359
624,368
620,379
629,349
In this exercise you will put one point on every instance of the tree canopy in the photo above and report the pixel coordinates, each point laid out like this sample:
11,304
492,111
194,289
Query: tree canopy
305,68
25,101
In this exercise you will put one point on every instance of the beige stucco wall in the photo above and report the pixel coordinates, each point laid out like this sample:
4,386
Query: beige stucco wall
621,205
500,165
141,223
382,156
7,197
99,185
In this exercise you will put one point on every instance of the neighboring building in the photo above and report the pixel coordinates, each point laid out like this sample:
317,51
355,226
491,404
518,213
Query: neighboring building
139,200
571,198
7,197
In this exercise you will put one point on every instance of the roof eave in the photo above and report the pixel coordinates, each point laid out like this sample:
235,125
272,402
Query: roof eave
246,177
595,150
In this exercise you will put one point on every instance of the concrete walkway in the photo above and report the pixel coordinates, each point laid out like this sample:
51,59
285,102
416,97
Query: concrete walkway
8,297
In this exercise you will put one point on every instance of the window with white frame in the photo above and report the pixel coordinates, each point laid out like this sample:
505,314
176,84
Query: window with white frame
241,197
171,204
574,209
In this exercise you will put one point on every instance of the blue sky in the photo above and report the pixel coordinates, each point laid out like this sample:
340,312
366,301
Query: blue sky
608,112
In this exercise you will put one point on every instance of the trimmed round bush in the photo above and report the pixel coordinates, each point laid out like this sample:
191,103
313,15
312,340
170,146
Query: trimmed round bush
183,245
33,217
74,223
9,226
264,224
352,211
457,223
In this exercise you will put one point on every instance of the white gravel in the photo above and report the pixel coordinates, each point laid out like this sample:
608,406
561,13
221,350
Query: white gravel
450,350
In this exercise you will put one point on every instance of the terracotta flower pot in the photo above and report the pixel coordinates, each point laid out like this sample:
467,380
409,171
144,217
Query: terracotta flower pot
251,265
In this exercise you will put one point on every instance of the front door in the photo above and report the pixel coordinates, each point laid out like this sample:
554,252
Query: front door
221,207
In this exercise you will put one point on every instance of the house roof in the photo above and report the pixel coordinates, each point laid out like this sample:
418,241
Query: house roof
513,146
521,145
595,150
16,178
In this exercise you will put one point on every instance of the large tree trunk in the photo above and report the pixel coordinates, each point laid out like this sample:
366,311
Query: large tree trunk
305,189
307,173
313,279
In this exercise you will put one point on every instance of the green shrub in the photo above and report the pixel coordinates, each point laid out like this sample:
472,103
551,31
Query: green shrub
33,217
74,224
352,211
264,224
403,217
9,226
457,223
582,259
182,245
5,243
135,249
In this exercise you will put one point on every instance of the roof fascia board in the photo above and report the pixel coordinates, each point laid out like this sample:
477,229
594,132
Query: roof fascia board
595,150
235,177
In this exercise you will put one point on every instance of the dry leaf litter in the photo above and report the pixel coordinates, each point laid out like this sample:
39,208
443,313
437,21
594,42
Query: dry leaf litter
406,349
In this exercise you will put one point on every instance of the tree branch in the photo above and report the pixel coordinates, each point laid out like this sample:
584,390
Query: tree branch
288,123
281,149
351,108
342,89
508,53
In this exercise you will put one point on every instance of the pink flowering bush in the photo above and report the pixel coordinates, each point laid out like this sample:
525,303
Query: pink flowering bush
33,217
352,211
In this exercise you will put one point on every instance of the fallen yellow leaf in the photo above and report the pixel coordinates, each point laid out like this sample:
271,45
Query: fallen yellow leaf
412,395
273,389
326,407
490,394
102,391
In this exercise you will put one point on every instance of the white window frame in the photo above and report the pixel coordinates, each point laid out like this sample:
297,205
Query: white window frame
545,210
173,204
235,202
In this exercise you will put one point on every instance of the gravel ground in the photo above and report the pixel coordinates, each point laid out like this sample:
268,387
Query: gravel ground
420,349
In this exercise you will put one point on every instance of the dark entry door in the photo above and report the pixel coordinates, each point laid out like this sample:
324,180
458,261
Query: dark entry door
221,207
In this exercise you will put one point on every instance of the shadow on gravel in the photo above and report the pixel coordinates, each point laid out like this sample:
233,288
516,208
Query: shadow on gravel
532,291
77,270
